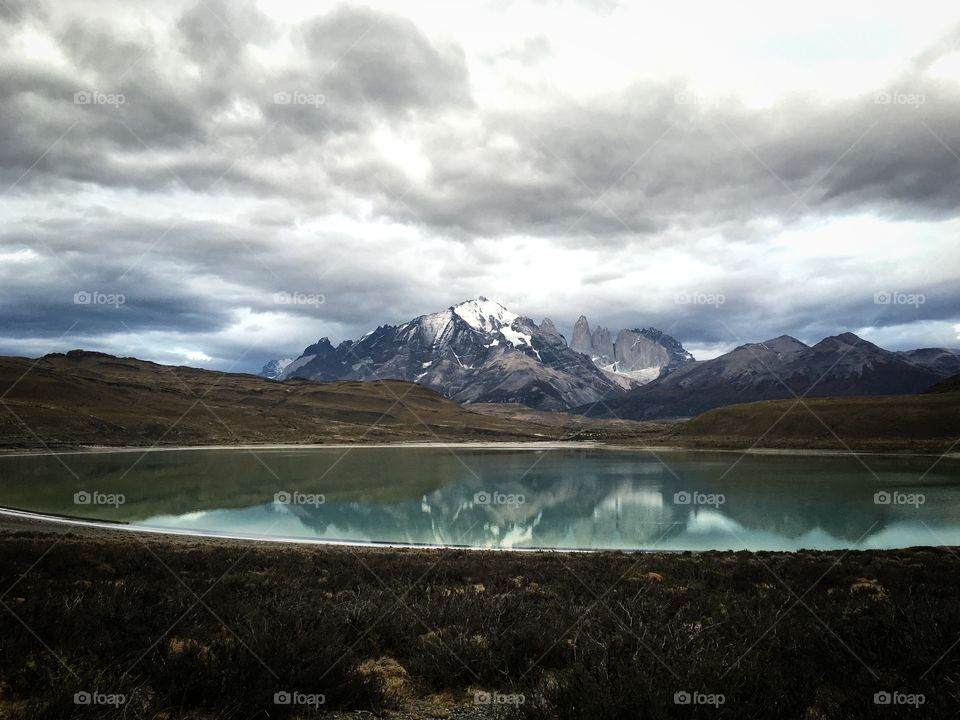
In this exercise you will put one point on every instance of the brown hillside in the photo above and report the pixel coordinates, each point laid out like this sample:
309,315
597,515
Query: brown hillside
85,398
904,423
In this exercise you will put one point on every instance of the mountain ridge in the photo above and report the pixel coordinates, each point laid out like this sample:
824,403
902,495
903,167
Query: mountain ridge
473,351
478,351
781,368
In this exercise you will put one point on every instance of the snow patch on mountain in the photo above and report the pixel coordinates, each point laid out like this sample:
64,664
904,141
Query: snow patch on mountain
517,338
488,316
484,315
640,375
434,326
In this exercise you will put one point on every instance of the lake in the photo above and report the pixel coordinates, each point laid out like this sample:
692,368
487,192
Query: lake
569,498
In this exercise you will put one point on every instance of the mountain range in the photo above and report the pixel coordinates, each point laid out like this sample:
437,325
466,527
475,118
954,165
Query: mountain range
782,368
478,351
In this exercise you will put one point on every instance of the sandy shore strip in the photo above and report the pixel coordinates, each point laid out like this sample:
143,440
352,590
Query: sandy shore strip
12,520
513,445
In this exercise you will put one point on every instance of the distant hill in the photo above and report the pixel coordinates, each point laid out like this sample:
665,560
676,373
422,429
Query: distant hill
841,365
950,385
906,423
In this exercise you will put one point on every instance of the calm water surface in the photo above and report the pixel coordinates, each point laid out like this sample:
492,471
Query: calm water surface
569,498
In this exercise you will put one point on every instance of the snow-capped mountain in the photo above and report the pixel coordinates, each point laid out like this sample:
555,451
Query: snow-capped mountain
476,351
273,369
635,357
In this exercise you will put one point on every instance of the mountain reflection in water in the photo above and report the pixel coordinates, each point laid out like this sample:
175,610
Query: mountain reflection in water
564,498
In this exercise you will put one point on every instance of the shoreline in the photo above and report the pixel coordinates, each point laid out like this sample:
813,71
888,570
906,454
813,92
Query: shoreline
531,445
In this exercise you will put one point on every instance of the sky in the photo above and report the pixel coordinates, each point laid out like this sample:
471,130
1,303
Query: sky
222,183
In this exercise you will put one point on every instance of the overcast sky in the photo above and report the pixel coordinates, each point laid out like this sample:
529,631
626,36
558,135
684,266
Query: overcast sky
221,183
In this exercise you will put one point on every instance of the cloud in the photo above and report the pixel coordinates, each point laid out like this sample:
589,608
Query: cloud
395,160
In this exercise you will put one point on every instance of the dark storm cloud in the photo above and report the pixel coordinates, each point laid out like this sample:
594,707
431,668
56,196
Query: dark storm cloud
101,292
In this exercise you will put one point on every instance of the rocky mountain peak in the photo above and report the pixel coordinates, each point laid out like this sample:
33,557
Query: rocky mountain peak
783,344
846,340
582,341
634,356
274,369
548,327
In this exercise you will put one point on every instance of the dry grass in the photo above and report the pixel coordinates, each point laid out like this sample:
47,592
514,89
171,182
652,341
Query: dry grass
420,633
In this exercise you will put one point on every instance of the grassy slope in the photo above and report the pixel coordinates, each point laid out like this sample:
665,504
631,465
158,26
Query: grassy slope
94,399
